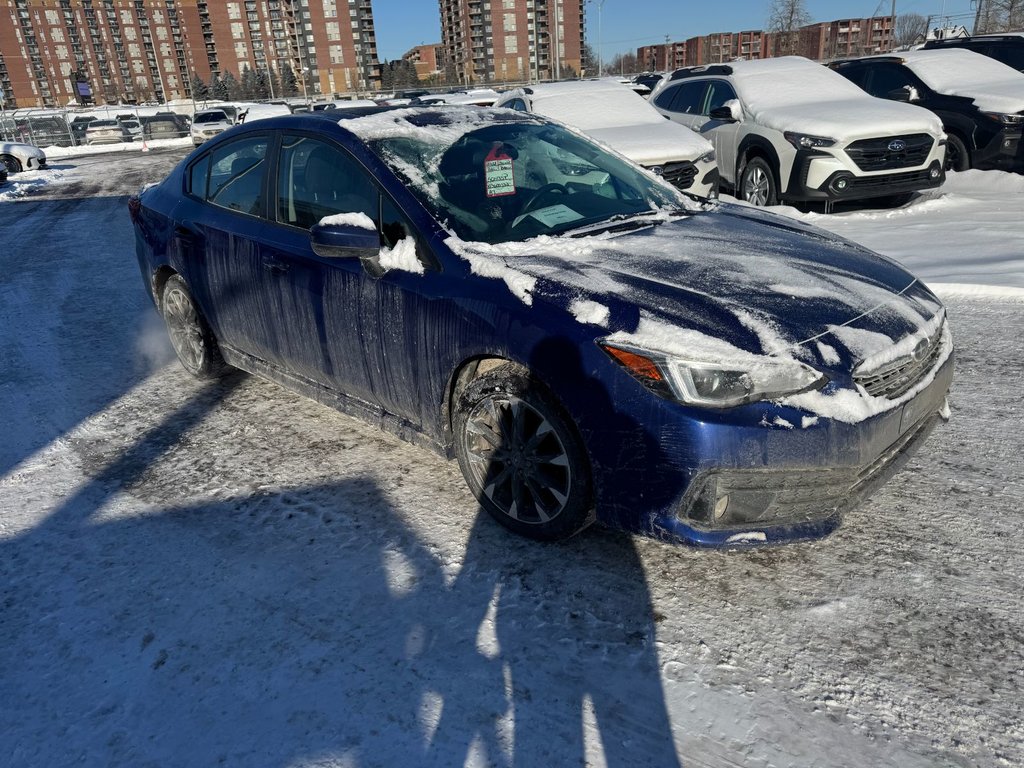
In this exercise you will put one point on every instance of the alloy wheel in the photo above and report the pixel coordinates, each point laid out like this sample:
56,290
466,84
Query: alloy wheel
517,459
755,187
185,329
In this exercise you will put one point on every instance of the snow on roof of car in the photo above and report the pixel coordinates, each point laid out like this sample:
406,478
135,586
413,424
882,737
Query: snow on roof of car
994,86
792,93
613,113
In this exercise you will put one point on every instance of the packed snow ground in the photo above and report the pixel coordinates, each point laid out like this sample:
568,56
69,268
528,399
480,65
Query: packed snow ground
229,573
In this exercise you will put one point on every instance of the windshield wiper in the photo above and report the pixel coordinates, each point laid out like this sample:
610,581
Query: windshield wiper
620,222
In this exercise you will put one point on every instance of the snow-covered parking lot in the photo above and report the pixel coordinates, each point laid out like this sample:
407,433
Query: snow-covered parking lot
195,574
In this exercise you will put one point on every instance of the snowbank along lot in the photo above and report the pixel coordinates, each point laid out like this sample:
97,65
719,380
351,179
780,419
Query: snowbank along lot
228,573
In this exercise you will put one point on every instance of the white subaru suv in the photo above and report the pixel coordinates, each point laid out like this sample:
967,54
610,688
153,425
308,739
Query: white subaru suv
788,129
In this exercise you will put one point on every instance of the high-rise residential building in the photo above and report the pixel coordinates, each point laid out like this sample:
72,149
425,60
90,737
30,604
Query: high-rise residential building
501,40
143,50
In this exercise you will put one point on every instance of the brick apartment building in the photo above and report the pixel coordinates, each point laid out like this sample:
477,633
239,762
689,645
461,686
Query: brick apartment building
143,50
428,59
821,42
501,40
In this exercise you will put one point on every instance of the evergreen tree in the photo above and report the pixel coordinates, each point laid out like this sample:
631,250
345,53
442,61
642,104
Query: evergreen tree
219,87
261,85
232,90
387,77
247,84
289,83
200,91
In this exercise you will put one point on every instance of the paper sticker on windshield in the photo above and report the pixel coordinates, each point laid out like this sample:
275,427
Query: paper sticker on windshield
498,174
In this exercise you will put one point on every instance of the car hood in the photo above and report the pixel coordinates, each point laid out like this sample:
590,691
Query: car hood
653,143
20,150
851,119
761,283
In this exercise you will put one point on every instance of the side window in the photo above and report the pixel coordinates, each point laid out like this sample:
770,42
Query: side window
198,176
720,92
886,78
236,175
517,104
316,179
686,98
856,75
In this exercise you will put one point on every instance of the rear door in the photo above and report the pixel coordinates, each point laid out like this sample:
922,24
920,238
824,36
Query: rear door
219,225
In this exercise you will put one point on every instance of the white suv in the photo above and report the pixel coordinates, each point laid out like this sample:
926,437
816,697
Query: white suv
788,129
614,114
209,123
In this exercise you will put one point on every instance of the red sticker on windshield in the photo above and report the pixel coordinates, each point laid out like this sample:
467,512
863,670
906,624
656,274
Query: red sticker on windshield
498,175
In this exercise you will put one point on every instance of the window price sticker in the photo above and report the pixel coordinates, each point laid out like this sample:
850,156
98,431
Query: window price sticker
498,176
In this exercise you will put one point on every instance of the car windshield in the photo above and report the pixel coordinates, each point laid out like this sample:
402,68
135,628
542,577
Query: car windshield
513,179
104,124
210,117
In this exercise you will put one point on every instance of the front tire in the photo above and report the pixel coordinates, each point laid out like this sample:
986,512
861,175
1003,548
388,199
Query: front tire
191,337
11,163
757,183
957,156
521,456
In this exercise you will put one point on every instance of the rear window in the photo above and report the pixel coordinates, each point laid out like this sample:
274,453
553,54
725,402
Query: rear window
210,117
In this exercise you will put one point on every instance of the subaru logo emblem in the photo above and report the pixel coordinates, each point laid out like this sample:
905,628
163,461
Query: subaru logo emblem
920,350
897,145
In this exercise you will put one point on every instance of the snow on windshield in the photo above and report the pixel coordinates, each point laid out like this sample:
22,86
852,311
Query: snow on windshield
795,94
994,86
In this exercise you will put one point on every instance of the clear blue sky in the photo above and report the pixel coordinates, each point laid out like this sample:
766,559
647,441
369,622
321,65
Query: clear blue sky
627,24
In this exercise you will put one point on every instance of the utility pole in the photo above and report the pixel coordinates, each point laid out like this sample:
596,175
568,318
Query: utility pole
892,29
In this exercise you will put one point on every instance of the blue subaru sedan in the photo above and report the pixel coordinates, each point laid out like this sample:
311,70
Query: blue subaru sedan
588,342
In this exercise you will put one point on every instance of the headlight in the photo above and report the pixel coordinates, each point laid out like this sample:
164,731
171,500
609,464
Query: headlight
715,385
806,141
708,157
1005,119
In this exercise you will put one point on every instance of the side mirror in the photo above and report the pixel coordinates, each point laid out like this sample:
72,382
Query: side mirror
344,241
899,94
728,112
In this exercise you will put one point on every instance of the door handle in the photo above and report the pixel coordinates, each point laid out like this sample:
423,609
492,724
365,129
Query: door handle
275,267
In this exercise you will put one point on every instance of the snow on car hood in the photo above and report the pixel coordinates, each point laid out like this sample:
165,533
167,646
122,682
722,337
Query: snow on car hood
994,86
652,144
615,115
734,284
785,283
795,94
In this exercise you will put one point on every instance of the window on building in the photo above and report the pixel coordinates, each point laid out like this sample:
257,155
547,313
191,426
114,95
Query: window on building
234,11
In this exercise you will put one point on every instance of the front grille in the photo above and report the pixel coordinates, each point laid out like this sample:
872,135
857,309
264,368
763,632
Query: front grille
876,183
679,175
895,379
879,154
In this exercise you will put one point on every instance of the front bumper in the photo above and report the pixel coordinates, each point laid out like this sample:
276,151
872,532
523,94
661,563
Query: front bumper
820,176
1004,152
784,475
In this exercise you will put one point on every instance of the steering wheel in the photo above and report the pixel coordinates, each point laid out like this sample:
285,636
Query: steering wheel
544,190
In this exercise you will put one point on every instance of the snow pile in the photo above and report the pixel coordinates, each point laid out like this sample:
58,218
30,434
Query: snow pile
590,312
795,94
358,219
55,152
994,86
964,238
402,257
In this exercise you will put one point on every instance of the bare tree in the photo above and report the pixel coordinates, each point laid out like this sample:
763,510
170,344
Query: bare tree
999,16
911,28
785,17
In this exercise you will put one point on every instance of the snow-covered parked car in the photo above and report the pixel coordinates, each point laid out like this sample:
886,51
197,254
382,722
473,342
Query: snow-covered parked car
208,123
710,374
979,100
16,157
613,113
788,129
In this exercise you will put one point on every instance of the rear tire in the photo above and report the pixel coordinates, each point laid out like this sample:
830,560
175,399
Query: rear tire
191,337
521,456
757,183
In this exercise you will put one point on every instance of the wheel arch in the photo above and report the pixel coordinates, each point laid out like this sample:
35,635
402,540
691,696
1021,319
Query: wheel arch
157,282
